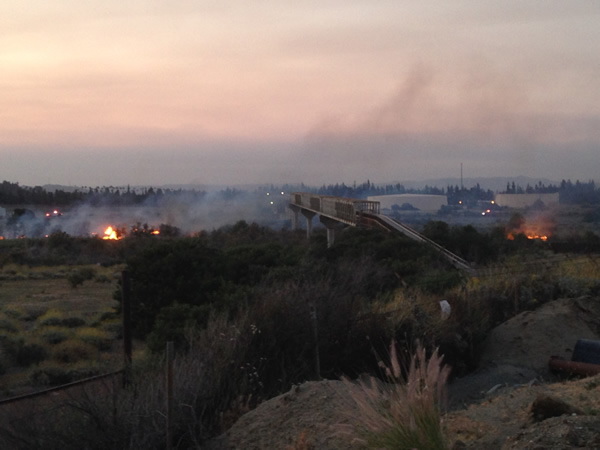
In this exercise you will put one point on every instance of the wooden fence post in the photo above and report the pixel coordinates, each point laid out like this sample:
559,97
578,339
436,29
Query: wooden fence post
170,358
126,312
315,329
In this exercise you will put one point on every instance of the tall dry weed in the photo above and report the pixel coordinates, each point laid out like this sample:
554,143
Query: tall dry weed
403,413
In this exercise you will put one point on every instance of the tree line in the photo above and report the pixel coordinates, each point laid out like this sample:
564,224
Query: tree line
14,194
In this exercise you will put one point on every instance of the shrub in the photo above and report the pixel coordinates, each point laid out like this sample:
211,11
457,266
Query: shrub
56,318
102,279
205,386
108,315
77,277
98,338
31,353
74,350
73,322
54,335
14,312
403,414
50,376
56,375
173,321
7,325
21,352
51,317
114,328
27,314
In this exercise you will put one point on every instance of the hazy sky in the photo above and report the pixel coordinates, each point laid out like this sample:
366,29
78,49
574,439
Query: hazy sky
156,92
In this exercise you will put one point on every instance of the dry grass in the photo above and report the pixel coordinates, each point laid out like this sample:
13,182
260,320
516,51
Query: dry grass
23,288
96,337
403,414
38,305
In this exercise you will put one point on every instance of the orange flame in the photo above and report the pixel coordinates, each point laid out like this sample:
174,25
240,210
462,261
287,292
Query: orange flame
110,233
537,236
529,234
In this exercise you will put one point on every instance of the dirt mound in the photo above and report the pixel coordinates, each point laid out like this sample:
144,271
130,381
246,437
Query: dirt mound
308,417
516,353
530,338
505,421
559,433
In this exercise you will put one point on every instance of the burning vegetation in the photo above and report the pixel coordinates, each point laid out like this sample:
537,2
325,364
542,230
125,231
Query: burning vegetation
539,228
111,234
115,233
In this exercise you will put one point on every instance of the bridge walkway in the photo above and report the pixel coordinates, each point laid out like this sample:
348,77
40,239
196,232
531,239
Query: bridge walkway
337,212
390,224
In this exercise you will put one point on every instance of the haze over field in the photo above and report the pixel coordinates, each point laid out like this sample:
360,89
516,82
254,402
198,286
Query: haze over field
110,93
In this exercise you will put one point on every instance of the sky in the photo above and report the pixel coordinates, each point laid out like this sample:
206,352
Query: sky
148,92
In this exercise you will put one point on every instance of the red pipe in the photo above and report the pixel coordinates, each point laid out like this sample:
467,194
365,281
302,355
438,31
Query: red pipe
557,364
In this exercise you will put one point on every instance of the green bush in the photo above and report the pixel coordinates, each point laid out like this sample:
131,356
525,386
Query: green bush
31,353
21,352
51,318
56,375
108,315
98,338
173,322
54,335
113,327
77,277
72,322
102,279
7,325
14,312
56,318
74,350
28,314
51,376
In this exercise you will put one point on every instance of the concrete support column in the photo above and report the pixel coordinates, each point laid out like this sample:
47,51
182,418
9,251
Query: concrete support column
295,210
331,226
330,236
309,216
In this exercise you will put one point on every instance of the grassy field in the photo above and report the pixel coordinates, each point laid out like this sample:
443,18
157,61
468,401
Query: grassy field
55,328
48,287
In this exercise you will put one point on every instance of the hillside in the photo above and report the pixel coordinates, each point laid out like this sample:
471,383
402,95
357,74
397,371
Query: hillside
507,404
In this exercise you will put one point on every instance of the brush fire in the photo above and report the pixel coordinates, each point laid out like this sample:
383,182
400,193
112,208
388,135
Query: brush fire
114,233
539,229
111,234
511,236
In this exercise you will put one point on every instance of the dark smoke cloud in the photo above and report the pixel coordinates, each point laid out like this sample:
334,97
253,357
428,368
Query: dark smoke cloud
485,120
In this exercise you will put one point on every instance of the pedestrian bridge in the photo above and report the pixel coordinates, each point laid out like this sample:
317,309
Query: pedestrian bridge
337,212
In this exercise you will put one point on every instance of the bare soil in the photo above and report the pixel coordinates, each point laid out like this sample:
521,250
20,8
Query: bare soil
509,403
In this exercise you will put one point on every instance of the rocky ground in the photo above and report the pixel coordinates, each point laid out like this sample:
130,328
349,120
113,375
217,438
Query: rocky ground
512,402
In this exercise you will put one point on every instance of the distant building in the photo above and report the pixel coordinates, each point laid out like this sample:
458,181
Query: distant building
422,202
526,200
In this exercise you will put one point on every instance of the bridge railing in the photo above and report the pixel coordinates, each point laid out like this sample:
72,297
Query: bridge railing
344,209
